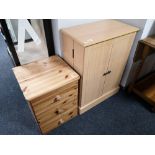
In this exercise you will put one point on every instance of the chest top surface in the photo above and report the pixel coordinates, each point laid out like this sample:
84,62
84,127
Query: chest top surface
92,33
41,77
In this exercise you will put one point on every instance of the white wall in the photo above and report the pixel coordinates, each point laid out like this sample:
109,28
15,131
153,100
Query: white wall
56,36
149,28
72,22
143,24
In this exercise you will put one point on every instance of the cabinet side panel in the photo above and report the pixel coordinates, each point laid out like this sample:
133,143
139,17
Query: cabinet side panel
79,52
118,59
67,47
95,64
78,58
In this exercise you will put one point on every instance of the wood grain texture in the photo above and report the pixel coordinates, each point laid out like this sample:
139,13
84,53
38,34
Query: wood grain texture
92,33
120,51
51,124
78,63
48,96
67,47
145,88
150,41
95,65
98,100
50,111
101,58
101,50
41,77
51,88
53,102
79,53
55,112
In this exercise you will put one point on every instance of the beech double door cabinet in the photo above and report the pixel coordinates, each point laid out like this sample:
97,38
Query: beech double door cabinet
98,52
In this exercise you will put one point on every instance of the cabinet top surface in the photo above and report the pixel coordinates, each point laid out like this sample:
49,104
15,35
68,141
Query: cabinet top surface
43,76
92,33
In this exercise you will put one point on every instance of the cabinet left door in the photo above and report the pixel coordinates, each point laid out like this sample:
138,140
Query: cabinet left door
67,48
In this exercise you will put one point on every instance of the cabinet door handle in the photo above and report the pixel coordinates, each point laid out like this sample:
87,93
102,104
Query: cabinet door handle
73,53
106,73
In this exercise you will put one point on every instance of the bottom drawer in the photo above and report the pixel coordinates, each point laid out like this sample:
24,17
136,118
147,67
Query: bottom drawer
51,124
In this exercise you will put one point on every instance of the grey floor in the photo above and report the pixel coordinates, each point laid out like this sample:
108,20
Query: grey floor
120,114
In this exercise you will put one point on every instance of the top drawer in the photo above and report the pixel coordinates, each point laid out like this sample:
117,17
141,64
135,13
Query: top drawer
54,96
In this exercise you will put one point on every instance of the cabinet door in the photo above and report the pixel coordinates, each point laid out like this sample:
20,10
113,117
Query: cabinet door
67,48
118,59
96,60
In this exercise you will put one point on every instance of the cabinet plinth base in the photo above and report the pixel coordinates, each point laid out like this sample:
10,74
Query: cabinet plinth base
98,100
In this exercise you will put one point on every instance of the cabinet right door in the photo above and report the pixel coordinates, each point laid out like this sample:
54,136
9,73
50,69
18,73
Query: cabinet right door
119,55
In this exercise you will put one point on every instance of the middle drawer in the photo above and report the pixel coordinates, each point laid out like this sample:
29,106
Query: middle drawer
57,104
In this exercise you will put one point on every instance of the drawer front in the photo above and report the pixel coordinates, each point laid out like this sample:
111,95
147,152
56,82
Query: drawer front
54,95
51,124
52,103
56,111
50,109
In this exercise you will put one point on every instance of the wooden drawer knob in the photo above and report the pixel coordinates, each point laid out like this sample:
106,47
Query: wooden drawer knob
59,111
57,98
61,121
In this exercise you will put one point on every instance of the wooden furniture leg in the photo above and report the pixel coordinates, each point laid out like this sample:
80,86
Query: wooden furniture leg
153,109
137,73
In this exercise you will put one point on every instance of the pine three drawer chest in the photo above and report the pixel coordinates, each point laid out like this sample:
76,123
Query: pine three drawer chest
51,88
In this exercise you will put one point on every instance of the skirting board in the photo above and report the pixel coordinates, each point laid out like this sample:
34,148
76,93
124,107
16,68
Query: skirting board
97,101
